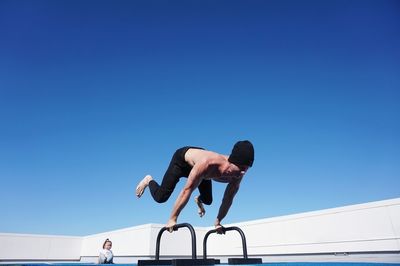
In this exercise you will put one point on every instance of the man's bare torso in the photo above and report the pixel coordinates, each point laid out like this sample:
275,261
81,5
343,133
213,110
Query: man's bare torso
219,165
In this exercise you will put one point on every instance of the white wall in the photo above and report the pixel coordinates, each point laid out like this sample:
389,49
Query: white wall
371,227
358,228
39,247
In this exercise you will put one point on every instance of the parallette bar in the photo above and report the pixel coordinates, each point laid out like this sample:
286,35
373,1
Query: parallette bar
245,259
178,262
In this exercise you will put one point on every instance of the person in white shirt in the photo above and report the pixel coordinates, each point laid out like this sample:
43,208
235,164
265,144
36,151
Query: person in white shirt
106,255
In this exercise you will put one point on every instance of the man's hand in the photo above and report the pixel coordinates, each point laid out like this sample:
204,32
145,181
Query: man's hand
220,229
170,225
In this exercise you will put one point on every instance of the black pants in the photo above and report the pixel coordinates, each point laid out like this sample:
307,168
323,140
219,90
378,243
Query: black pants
178,168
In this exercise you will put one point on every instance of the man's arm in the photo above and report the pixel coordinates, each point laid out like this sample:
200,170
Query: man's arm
192,183
230,192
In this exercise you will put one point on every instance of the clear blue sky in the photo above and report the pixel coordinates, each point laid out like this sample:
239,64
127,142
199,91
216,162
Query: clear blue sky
96,94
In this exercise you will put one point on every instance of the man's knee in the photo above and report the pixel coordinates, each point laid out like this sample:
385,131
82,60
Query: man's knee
206,200
162,195
160,199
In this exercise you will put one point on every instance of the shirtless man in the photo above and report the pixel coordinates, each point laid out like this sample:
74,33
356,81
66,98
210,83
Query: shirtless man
200,167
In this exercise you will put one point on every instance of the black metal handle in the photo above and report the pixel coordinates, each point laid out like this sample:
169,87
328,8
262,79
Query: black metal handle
175,228
224,229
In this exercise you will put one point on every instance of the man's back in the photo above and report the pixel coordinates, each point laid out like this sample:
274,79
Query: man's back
193,156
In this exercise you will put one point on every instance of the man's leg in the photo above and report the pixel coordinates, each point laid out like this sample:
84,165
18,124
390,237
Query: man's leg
162,192
205,189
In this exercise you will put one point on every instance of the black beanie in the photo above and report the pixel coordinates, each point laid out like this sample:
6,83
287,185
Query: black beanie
242,153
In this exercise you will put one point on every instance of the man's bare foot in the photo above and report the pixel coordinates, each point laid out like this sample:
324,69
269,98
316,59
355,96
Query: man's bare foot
143,185
201,210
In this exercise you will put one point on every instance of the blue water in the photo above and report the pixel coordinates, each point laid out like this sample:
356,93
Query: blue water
264,264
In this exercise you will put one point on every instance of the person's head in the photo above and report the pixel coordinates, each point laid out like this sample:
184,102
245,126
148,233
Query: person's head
242,155
107,244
